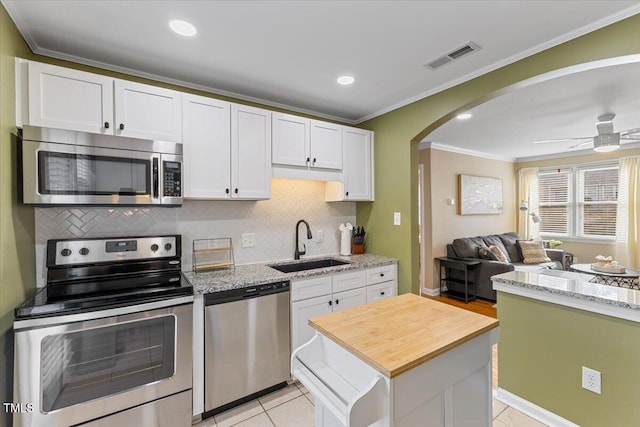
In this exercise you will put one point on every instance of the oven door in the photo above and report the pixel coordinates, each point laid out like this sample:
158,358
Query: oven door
74,174
79,371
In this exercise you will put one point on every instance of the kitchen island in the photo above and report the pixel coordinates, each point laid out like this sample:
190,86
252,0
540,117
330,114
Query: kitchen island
403,361
554,323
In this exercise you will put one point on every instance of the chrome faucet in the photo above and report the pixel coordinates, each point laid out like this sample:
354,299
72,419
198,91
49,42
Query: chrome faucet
309,236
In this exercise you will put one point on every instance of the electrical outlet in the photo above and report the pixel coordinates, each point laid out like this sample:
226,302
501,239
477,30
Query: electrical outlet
248,240
591,380
320,236
396,218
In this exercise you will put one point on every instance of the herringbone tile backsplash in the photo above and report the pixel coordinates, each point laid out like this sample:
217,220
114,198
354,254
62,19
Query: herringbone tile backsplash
273,222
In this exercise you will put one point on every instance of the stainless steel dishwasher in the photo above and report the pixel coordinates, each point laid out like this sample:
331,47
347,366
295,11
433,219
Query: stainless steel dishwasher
246,343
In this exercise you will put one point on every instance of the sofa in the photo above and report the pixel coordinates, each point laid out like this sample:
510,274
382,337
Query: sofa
473,247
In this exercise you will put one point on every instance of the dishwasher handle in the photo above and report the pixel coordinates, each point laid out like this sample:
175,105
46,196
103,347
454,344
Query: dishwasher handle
245,293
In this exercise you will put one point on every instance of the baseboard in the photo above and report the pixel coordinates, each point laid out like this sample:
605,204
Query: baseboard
534,411
430,292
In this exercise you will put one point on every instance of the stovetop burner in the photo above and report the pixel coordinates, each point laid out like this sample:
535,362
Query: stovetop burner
97,274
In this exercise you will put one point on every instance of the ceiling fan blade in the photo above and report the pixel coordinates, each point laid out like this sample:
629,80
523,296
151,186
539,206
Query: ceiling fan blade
544,141
582,144
629,132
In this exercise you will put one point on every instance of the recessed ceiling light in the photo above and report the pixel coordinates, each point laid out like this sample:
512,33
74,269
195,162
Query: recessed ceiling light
183,28
346,80
463,116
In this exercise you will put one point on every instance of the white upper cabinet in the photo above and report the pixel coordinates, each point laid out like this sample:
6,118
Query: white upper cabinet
326,145
357,172
144,111
302,142
227,150
63,98
291,137
207,147
250,152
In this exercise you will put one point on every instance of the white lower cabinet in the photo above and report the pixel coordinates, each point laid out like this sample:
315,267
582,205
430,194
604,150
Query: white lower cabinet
301,312
348,299
380,291
334,292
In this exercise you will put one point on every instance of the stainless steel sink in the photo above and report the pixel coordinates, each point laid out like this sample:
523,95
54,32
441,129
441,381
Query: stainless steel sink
308,265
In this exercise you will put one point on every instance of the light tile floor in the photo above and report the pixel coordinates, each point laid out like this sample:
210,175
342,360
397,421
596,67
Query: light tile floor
292,406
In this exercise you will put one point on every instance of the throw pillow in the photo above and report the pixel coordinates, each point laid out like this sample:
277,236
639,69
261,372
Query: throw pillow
498,253
485,253
533,252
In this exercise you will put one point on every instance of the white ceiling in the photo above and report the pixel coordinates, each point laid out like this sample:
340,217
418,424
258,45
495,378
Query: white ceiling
289,53
564,107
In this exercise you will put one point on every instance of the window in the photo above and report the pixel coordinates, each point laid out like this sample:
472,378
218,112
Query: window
579,201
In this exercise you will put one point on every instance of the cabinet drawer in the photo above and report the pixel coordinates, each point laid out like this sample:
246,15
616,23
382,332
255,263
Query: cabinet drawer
381,274
380,291
350,280
309,288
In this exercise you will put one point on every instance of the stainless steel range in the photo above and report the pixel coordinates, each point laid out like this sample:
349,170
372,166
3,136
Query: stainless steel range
108,341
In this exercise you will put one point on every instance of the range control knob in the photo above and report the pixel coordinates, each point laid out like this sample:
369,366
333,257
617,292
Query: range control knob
168,246
84,251
154,247
65,252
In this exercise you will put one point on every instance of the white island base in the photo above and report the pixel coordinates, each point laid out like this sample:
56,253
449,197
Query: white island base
450,389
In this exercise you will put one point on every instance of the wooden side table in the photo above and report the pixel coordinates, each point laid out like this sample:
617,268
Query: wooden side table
468,268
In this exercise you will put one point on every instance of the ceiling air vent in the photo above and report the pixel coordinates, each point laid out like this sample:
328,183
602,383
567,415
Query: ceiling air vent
456,53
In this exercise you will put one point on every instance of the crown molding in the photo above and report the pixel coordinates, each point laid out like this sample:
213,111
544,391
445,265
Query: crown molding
585,152
442,147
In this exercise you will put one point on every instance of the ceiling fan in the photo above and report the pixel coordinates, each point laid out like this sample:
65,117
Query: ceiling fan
605,140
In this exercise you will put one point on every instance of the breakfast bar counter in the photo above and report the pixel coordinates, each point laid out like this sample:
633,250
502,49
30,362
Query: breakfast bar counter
403,361
555,326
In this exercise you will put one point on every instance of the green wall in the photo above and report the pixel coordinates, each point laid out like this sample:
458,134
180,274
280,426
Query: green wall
17,225
542,350
397,134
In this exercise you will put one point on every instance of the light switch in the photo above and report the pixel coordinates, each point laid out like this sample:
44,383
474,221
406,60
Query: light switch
396,218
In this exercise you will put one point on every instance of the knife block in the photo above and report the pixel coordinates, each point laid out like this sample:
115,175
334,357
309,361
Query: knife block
357,246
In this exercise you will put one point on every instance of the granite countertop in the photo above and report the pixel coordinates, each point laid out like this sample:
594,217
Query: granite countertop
554,283
245,275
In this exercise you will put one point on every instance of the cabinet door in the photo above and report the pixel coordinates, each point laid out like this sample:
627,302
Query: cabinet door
348,299
290,140
358,164
207,148
381,274
301,311
250,152
326,145
69,99
381,291
149,112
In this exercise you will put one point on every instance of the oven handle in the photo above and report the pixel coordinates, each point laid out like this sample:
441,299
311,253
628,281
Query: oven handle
92,315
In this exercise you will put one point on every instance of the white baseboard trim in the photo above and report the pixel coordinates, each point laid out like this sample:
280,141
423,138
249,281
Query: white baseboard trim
534,411
430,292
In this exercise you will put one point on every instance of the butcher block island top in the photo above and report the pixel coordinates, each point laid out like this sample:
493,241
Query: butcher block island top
397,334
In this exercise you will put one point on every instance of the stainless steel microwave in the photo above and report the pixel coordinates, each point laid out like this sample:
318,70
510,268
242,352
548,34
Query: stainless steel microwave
62,167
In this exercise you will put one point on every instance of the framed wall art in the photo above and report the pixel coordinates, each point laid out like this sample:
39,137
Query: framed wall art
479,195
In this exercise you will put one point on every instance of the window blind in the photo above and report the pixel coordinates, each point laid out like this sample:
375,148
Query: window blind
579,201
553,201
597,201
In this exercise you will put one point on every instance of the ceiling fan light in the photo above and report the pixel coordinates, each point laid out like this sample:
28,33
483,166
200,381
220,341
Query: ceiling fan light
606,142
